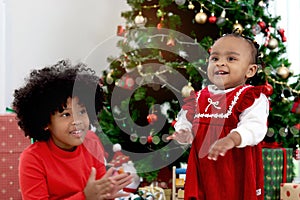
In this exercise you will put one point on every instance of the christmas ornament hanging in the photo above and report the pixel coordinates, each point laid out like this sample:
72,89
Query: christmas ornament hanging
149,139
191,6
201,17
180,2
272,44
134,137
212,19
238,28
155,139
283,72
186,90
221,20
256,29
140,20
151,118
268,89
281,33
262,25
143,140
120,30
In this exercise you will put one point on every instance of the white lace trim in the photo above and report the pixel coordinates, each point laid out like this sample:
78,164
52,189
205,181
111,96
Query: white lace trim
222,115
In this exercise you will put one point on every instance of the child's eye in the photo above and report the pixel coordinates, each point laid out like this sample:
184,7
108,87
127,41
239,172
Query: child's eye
65,114
82,111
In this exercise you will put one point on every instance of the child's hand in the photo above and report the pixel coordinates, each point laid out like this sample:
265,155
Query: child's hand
221,146
107,187
121,180
98,189
183,136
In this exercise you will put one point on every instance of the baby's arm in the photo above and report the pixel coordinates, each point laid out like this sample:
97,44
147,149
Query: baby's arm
250,130
183,133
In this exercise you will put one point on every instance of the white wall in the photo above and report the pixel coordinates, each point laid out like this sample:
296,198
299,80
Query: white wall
35,33
289,12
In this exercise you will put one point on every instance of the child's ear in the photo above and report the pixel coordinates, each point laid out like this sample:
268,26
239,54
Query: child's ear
252,69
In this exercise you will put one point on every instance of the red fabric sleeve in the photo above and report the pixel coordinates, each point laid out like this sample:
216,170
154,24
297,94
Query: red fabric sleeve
248,97
190,106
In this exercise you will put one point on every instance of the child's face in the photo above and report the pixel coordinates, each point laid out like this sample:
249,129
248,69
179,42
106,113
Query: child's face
230,62
69,127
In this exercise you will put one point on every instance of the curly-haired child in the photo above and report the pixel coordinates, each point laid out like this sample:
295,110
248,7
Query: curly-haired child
56,108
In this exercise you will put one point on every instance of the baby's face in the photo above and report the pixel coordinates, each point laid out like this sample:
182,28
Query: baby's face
230,62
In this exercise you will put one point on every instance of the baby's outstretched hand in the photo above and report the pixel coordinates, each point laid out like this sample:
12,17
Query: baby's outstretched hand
221,146
183,136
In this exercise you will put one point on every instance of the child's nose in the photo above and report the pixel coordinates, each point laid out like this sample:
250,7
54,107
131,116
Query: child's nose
76,122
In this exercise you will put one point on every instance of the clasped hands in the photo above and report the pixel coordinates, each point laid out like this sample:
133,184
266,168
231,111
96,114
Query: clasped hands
108,187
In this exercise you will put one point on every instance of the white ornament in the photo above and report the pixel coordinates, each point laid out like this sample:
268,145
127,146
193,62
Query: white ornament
180,2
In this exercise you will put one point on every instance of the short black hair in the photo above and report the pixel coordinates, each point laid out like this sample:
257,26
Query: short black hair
46,91
253,45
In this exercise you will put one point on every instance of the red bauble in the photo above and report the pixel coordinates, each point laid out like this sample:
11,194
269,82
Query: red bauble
268,89
152,118
212,19
149,139
120,31
262,25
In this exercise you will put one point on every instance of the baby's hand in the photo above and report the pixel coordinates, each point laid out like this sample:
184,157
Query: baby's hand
220,147
183,136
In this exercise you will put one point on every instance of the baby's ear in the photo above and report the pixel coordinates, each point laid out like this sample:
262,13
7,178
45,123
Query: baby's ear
252,69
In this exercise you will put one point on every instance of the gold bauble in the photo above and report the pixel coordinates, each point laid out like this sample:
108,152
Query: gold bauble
238,28
273,43
283,72
191,6
186,90
201,17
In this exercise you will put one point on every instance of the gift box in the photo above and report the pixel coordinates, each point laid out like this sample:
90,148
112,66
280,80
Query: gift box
278,168
289,191
13,142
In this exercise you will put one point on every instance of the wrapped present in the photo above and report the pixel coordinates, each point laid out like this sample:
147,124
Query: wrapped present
289,191
278,168
13,142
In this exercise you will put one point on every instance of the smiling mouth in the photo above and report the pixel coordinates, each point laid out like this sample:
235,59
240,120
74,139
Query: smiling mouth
77,133
221,73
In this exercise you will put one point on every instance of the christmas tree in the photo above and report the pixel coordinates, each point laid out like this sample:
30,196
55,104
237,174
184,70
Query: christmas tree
165,46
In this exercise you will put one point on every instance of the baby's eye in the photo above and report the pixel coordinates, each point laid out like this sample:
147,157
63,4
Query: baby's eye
231,58
213,58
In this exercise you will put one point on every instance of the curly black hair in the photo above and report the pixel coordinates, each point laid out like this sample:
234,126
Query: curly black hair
46,91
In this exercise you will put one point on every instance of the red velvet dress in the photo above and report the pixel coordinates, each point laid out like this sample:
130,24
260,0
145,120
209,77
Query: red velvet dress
239,174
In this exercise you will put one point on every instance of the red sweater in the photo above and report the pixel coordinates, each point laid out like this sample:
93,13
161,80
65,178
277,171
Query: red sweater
47,172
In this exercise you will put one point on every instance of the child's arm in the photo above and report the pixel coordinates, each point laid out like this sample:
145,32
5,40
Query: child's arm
251,129
183,133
